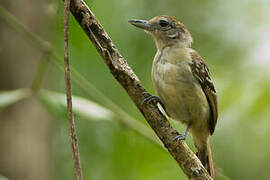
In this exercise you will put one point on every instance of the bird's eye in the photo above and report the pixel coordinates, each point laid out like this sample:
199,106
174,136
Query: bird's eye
163,23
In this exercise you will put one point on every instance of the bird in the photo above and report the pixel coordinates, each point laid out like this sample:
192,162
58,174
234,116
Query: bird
182,80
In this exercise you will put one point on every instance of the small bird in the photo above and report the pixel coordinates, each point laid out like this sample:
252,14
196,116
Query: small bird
182,81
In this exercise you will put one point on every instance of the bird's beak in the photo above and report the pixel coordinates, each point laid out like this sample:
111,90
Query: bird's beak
143,24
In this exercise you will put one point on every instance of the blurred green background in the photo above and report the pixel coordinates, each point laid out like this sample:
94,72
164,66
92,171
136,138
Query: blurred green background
232,36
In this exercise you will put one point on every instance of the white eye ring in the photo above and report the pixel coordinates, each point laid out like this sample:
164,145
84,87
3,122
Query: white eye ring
163,23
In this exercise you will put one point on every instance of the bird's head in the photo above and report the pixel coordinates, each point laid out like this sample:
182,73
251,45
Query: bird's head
166,31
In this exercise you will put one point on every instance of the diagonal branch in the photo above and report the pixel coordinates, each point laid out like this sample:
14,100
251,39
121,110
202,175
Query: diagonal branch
79,80
119,68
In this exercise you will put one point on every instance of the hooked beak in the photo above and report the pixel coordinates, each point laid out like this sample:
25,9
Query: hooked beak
143,24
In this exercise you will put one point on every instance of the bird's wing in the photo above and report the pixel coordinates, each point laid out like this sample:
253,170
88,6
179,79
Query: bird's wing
201,73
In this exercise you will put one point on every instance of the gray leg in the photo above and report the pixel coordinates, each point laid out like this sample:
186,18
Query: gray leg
183,136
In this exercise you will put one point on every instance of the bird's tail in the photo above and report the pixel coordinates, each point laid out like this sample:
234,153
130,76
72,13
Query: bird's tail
205,155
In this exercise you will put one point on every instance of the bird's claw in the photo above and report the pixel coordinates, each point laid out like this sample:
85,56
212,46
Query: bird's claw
151,98
180,137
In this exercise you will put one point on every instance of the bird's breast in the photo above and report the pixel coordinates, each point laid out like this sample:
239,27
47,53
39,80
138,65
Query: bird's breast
178,88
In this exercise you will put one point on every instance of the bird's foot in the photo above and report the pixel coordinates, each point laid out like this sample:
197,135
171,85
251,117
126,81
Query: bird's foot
183,136
180,137
151,99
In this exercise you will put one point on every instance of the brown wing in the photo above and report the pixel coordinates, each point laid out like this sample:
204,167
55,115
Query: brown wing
201,72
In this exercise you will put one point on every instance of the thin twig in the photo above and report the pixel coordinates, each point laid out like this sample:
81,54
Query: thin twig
73,136
187,160
79,79
122,72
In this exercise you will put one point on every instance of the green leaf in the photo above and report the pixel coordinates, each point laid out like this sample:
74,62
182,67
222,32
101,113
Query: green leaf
81,106
10,97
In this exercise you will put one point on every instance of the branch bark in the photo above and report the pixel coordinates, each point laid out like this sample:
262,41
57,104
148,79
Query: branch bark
122,72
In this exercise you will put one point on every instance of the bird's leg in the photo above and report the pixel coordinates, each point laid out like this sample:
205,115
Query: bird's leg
183,136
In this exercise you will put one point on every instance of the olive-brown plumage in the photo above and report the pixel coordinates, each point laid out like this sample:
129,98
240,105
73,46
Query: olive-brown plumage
182,81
